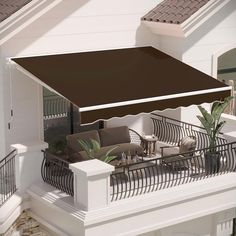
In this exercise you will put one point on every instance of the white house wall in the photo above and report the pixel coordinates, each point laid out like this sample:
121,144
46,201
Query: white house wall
72,26
171,45
214,35
85,25
200,47
2,122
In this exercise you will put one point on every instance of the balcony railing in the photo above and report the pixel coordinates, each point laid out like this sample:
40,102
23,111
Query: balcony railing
56,172
147,176
171,131
7,177
55,107
166,172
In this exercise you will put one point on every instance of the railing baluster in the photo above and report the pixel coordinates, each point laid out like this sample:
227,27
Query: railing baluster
160,173
56,172
7,177
168,128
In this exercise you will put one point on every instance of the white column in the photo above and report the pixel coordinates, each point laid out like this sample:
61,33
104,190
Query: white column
28,163
91,184
3,112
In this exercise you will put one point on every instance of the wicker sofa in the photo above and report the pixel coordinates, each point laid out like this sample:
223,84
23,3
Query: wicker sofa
108,138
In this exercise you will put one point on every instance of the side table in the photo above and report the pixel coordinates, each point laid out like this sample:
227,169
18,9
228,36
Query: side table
148,142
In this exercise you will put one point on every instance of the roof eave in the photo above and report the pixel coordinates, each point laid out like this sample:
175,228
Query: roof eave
24,17
184,29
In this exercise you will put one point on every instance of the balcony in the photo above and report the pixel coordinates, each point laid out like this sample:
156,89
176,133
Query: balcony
160,191
153,174
147,176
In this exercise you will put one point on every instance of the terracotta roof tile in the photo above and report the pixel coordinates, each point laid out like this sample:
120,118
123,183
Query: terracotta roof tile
8,7
174,11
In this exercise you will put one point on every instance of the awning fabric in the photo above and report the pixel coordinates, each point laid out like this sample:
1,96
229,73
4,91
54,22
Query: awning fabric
115,83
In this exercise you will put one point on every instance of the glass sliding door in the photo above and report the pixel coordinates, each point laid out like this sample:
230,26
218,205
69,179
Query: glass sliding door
56,119
61,118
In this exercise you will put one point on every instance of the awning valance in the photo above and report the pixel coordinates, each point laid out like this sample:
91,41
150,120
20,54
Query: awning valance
115,83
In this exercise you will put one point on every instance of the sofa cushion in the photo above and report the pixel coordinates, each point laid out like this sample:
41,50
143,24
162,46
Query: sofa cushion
123,147
166,151
114,136
187,144
72,140
77,157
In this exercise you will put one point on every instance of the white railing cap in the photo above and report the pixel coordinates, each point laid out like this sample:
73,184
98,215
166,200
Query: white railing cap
29,147
91,168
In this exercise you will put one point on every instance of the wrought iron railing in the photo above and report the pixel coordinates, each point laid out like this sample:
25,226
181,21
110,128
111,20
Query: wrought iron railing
7,177
171,131
55,107
56,172
160,173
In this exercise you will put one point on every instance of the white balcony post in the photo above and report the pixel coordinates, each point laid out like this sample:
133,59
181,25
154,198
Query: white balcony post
28,163
91,184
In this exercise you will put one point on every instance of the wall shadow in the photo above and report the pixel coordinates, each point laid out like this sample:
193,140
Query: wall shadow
210,24
71,6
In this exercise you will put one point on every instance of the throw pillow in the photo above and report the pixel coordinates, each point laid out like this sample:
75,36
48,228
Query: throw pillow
187,144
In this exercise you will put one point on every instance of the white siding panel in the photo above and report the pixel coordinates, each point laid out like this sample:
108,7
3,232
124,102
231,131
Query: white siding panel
228,16
84,25
75,43
203,66
215,34
201,52
172,46
103,7
218,36
72,26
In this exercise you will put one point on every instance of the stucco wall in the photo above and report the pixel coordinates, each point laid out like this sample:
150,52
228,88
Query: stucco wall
72,26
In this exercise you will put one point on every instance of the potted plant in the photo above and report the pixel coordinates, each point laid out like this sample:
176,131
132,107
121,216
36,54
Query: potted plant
91,147
58,146
212,124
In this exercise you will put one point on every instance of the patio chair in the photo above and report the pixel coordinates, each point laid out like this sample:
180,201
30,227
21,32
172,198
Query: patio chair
178,157
135,137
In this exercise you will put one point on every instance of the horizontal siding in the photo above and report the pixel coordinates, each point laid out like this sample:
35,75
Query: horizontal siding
203,66
201,52
72,26
218,36
75,8
84,25
74,43
217,33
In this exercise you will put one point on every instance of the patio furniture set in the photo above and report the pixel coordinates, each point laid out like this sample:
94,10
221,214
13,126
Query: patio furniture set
173,155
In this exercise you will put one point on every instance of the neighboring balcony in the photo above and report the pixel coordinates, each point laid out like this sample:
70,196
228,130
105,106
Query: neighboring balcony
7,177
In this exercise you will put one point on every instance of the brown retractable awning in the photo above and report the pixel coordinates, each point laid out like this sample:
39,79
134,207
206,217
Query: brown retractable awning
115,83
